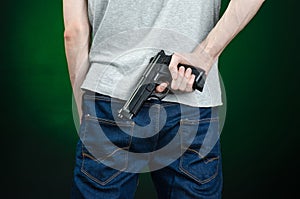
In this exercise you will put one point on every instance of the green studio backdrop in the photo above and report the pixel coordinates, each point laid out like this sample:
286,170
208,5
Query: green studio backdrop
259,140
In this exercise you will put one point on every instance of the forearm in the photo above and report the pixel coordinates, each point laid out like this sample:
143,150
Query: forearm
77,39
235,18
77,49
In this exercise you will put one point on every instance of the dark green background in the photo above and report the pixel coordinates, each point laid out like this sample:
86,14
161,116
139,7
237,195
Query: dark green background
260,138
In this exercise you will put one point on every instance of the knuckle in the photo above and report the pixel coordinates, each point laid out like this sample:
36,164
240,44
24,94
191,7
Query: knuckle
190,84
189,71
176,55
174,86
182,89
172,68
182,69
181,74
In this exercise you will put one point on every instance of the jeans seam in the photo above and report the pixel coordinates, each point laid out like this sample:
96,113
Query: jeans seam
157,119
98,181
88,117
182,122
200,121
95,179
206,160
195,178
105,121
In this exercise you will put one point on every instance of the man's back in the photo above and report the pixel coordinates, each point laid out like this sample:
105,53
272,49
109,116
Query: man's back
127,33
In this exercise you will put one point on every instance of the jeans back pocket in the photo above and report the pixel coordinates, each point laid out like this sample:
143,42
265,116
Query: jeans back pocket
105,151
200,167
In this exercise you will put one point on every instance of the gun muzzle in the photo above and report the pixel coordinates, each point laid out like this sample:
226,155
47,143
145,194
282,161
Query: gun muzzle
125,113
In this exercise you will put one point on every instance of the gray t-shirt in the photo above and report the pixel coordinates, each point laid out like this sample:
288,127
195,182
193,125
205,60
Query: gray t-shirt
127,33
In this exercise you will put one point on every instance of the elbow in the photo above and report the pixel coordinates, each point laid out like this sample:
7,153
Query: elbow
69,34
76,32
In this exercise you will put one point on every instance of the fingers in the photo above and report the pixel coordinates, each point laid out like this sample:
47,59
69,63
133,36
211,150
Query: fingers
160,88
183,79
176,59
176,83
188,81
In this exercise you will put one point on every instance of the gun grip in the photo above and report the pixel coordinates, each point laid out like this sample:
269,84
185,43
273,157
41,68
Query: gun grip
200,76
198,72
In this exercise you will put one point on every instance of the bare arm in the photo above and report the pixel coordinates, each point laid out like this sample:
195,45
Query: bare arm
76,38
235,18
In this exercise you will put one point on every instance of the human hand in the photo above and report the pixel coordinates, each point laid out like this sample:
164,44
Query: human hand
183,79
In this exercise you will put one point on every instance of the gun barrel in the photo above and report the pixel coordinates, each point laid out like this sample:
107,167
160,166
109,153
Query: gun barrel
141,92
125,112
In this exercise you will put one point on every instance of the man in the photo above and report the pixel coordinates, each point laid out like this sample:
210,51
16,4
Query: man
106,65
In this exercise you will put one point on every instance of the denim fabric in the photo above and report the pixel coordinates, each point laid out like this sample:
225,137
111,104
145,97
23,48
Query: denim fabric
103,164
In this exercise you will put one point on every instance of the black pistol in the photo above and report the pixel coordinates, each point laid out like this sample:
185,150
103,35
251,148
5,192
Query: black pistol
156,72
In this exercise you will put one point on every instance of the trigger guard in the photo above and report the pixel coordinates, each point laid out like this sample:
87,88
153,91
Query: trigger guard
161,95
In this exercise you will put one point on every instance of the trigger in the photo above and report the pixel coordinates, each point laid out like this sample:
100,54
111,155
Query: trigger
161,95
164,93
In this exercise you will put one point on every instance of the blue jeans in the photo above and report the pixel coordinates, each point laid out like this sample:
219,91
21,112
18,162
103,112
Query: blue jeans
107,166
